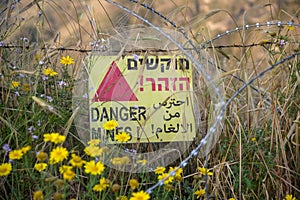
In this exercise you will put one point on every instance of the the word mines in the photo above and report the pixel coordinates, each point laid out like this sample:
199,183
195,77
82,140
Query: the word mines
158,63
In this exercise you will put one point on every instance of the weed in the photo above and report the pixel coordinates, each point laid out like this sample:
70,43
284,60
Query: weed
43,97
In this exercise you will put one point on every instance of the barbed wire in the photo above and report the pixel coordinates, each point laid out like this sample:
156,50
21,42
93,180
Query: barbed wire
202,142
125,52
216,90
159,50
155,12
141,50
247,27
205,44
221,103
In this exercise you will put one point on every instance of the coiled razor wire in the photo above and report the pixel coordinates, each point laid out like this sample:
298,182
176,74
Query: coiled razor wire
246,27
204,45
155,12
195,151
221,104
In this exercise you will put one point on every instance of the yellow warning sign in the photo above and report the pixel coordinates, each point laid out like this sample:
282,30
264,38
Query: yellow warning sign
150,97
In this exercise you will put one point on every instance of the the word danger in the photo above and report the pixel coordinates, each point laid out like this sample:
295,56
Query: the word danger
133,113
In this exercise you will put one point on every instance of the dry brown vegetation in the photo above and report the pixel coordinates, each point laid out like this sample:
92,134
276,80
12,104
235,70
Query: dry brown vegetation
257,154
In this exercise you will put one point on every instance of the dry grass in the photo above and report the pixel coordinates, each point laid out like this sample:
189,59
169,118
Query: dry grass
257,155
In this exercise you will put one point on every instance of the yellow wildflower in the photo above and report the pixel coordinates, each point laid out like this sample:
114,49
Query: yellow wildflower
41,156
38,195
205,171
94,168
120,160
94,142
50,72
133,183
25,149
59,139
178,173
5,169
141,195
291,28
110,125
26,87
76,161
117,161
253,139
199,193
54,137
231,198
36,58
48,137
115,187
163,176
143,162
93,151
122,137
15,84
40,166
122,198
15,154
289,197
102,185
159,170
64,168
66,60
68,175
58,155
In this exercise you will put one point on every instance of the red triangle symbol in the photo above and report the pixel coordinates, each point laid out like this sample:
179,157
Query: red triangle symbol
114,87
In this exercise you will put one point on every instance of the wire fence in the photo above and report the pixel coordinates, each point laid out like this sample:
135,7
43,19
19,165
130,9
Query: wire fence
222,104
196,48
